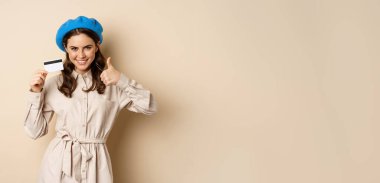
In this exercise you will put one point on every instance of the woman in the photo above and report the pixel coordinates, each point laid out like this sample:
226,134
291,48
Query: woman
86,98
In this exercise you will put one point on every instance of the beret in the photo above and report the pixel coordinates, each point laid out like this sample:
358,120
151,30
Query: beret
79,22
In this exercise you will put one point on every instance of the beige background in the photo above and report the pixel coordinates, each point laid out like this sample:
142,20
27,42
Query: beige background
249,91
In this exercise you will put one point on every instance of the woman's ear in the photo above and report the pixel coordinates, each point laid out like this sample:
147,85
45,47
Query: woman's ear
97,46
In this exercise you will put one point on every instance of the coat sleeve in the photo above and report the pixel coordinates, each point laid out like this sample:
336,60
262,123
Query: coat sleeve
134,97
38,115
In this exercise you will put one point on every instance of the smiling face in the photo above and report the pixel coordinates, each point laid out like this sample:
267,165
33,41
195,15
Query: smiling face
81,50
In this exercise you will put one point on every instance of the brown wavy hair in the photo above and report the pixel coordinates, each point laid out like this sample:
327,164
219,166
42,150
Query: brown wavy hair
69,83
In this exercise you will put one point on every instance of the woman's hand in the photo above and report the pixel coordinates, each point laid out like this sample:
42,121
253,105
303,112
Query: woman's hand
110,76
38,81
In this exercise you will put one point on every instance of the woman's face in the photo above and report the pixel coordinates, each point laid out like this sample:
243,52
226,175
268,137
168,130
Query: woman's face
81,49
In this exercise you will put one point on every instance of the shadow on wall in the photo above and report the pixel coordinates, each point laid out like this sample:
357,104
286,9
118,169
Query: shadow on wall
118,141
122,142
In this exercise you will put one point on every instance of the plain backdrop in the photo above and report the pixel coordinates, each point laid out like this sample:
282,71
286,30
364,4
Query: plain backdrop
248,91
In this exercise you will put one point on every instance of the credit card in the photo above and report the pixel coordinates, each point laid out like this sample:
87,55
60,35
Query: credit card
54,65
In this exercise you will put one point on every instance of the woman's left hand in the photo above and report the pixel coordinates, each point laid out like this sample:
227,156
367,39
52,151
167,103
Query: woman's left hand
110,76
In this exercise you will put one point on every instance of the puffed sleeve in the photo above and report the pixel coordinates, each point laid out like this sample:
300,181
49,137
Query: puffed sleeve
134,97
38,115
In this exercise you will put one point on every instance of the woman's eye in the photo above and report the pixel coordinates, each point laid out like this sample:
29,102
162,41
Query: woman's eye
74,49
88,48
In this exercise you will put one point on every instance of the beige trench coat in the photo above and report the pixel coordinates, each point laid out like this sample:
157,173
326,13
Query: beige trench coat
78,153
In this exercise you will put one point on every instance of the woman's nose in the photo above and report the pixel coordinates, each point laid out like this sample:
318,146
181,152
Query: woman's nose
81,54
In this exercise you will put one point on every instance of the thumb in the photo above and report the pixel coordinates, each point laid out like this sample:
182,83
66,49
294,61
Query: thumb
109,65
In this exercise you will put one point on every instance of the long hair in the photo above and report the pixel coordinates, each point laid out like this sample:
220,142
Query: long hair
68,81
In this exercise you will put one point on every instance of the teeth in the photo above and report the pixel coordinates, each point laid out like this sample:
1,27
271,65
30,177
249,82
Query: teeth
81,62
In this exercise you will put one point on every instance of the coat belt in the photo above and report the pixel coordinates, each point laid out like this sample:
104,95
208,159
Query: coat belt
75,155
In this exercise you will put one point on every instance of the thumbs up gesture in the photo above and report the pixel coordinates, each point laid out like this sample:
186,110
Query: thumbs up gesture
110,76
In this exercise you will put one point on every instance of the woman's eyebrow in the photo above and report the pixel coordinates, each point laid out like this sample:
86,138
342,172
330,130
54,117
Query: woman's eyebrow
83,46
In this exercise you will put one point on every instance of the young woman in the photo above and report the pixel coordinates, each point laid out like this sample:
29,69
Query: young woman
86,98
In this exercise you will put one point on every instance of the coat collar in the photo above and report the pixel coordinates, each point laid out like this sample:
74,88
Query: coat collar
88,74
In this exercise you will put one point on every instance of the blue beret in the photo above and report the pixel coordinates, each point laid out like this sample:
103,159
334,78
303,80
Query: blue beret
79,22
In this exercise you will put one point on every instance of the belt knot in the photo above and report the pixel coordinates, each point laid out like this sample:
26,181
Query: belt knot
76,155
